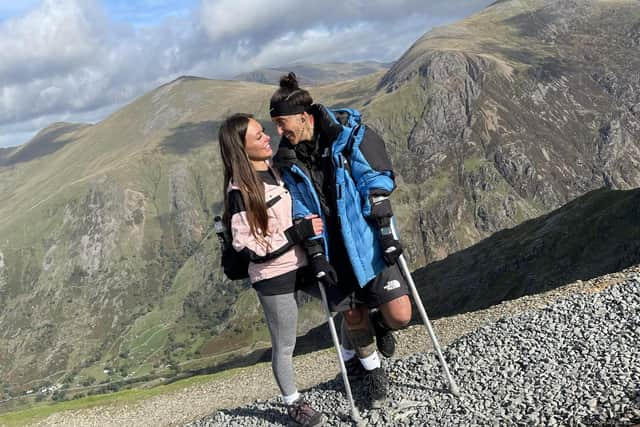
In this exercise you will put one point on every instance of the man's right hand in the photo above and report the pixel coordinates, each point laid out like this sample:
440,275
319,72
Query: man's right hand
322,270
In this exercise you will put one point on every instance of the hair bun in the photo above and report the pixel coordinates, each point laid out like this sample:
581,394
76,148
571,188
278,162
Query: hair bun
289,81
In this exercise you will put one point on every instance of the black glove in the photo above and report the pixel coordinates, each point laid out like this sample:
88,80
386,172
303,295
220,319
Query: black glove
300,231
391,248
381,207
322,270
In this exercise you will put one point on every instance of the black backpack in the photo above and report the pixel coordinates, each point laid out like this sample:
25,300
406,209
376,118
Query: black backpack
235,265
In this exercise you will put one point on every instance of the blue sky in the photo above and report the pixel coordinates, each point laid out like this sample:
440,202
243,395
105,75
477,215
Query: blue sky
137,13
150,12
79,60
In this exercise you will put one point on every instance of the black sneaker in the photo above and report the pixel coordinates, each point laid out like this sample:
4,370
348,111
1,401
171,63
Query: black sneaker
355,370
377,387
302,413
385,341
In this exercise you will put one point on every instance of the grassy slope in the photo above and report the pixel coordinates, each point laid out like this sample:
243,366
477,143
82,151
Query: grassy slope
42,410
123,147
115,145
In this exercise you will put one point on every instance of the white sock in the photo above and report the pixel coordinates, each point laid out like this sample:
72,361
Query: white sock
371,362
288,400
347,354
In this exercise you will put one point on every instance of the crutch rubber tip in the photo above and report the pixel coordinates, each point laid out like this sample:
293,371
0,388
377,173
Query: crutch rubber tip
453,388
359,421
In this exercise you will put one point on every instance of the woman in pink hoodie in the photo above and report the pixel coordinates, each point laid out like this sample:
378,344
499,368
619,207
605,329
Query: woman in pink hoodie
258,213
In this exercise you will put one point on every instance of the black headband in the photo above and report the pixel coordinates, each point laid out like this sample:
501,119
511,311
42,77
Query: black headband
285,108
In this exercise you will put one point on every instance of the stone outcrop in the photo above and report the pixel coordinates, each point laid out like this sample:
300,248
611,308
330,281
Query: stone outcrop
513,133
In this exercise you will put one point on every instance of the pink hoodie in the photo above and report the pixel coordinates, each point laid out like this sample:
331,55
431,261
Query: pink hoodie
279,220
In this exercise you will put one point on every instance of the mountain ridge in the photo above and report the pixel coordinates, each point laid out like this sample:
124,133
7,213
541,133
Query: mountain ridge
315,74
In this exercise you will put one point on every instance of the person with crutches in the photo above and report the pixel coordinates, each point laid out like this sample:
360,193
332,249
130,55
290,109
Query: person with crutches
337,168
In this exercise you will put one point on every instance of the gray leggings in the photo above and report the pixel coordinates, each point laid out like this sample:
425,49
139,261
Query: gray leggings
281,313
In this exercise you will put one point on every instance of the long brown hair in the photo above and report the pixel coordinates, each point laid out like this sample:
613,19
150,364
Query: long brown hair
239,170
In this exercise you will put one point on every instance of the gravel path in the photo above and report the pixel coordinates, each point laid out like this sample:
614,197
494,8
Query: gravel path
575,362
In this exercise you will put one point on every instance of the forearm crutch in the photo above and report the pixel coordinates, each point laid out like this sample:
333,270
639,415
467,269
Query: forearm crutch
453,388
355,414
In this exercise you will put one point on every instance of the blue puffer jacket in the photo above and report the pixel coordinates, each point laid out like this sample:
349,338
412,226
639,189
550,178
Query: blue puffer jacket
355,180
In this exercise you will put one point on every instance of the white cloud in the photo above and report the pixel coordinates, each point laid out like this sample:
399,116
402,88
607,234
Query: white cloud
71,60
253,21
52,40
66,56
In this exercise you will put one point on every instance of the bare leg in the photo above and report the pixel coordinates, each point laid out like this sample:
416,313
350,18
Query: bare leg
397,312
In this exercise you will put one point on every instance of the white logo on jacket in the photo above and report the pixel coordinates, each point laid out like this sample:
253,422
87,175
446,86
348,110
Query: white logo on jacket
391,285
